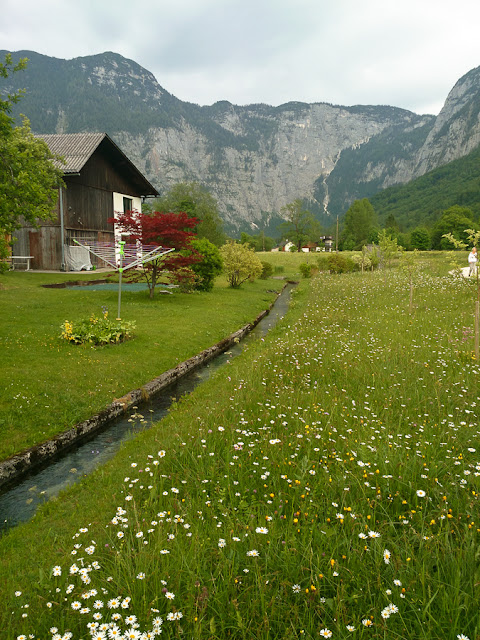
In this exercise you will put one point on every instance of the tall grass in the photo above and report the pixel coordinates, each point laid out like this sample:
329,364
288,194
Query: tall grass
325,485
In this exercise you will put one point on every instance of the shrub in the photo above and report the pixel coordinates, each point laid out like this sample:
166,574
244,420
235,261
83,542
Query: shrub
185,279
307,270
210,265
323,263
97,331
339,263
240,263
267,270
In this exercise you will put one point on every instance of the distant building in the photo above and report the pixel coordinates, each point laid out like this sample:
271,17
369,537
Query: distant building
328,242
100,181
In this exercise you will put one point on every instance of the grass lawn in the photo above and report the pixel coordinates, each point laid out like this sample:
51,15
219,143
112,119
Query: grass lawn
47,384
325,485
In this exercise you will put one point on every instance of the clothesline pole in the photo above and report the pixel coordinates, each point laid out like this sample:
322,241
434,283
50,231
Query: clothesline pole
121,245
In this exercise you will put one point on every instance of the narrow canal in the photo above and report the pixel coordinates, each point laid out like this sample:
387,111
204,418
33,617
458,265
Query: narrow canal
19,502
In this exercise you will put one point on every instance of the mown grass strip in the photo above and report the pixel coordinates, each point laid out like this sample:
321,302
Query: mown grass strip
48,385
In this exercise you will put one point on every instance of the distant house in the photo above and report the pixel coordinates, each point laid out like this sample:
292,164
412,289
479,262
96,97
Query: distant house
285,245
328,242
100,181
310,246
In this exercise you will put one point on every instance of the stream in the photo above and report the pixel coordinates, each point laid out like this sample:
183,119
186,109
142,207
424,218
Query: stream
18,503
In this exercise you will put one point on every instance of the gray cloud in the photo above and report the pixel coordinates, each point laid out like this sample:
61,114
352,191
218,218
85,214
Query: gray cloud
406,54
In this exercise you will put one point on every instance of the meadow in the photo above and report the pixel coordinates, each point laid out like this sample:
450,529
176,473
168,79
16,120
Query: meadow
324,485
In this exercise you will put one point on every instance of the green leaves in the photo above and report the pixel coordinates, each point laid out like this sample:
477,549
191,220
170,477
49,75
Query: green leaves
28,178
97,331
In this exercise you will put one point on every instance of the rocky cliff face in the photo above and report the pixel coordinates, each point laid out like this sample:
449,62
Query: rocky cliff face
256,158
397,156
254,176
456,130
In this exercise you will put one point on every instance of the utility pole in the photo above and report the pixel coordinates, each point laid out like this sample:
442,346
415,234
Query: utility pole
336,242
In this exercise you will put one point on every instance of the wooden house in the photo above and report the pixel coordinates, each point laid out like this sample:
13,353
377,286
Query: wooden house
100,181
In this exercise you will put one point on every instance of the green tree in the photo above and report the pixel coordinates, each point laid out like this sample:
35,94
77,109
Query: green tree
300,226
197,202
359,222
210,265
420,239
388,249
240,263
362,259
260,242
28,177
453,221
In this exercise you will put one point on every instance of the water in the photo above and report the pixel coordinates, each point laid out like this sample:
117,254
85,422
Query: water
20,502
113,286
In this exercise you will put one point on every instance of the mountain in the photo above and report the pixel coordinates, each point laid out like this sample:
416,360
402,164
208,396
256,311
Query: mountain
422,200
397,156
255,158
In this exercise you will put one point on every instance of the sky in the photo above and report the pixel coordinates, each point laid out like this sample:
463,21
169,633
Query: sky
402,53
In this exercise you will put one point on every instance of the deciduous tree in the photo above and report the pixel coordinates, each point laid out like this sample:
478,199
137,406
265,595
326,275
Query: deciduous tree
359,222
28,177
196,201
454,221
240,263
300,225
420,239
210,263
169,230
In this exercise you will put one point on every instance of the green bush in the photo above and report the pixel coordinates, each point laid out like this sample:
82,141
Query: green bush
210,265
339,263
97,331
307,270
322,263
267,270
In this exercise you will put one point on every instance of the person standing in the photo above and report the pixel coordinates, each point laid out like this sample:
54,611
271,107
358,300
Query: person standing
472,261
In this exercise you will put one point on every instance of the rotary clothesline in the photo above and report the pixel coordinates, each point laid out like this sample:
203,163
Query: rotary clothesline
122,256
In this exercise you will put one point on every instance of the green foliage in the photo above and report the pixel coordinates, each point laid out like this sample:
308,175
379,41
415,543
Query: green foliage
259,242
300,226
240,263
306,269
374,258
362,260
421,202
420,239
4,253
359,221
323,262
388,248
28,178
339,263
455,221
192,198
267,270
210,266
97,330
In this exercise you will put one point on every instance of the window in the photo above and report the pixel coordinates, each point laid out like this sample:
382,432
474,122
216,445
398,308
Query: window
127,204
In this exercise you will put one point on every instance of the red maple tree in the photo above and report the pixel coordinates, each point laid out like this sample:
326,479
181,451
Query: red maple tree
168,230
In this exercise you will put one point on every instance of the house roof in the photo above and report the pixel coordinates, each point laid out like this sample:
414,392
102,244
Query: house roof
77,148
